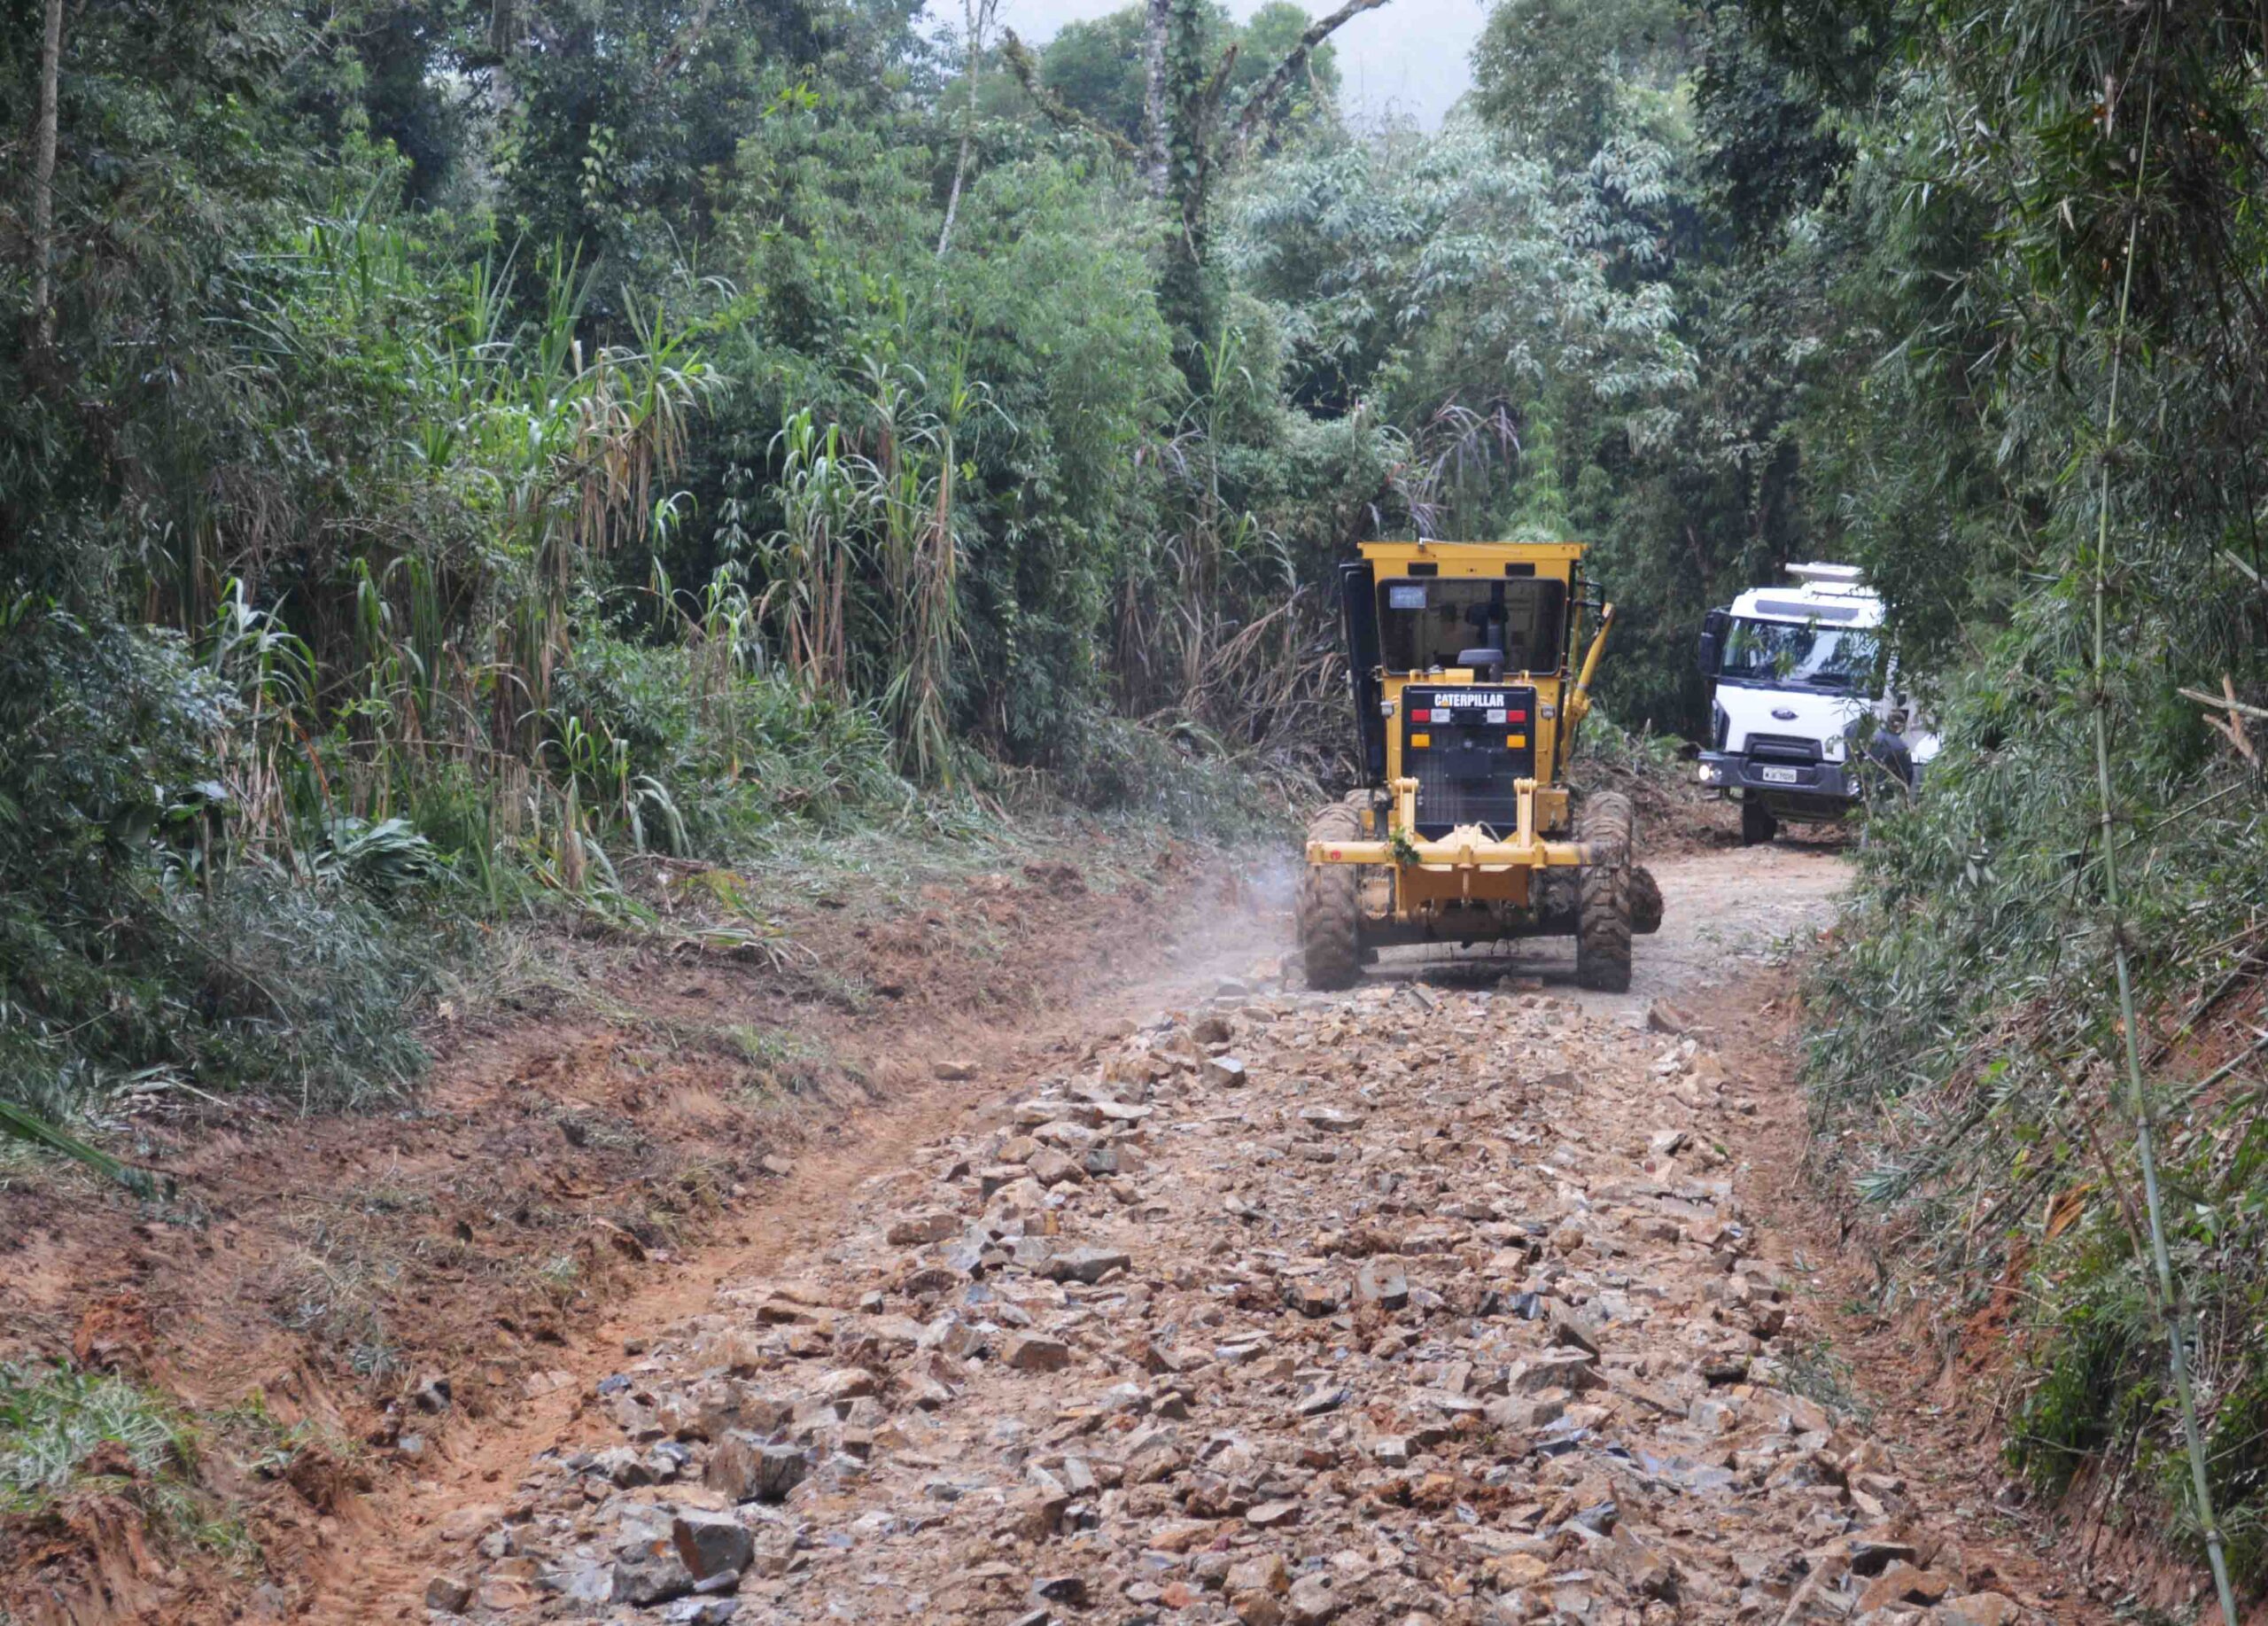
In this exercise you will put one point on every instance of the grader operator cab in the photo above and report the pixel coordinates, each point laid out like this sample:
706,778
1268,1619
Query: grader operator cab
1466,701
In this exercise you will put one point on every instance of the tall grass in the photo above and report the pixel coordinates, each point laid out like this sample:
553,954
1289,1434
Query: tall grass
863,574
379,682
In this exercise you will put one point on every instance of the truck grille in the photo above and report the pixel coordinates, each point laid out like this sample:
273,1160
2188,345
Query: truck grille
1465,773
1783,747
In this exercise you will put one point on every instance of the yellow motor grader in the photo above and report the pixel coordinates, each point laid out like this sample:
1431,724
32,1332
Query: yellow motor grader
1467,700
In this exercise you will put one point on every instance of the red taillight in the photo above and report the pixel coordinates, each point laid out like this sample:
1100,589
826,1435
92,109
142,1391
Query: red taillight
1421,715
1516,717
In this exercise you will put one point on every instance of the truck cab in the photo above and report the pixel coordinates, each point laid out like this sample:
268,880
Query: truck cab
1806,718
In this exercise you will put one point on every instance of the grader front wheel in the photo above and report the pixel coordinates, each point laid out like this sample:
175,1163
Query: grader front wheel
1602,896
1330,906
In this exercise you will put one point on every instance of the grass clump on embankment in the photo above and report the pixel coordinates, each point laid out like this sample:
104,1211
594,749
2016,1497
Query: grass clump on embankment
68,1437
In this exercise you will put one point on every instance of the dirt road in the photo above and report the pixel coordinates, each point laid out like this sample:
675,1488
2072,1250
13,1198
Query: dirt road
1728,912
1441,1301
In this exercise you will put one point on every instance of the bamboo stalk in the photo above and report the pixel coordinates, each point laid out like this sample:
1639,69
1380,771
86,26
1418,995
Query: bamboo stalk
2223,703
51,61
2166,1303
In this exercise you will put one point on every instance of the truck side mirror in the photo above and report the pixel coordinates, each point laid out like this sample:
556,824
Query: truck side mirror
1710,655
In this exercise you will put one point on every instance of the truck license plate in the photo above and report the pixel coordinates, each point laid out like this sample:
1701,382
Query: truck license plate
1776,776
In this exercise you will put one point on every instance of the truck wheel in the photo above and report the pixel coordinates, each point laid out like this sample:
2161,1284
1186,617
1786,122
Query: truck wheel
1330,906
1757,824
1603,907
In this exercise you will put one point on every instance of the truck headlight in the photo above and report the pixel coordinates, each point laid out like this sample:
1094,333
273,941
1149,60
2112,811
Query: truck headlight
1834,747
1710,773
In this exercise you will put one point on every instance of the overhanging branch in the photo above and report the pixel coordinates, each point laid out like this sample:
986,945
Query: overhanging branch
1288,69
1057,111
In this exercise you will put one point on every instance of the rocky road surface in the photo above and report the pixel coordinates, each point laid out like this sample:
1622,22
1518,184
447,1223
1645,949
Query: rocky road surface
1435,1302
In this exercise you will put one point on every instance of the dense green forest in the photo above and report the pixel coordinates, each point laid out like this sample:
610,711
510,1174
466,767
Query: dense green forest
445,448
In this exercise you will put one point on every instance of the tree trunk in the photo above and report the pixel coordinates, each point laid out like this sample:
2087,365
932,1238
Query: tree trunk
1187,146
687,42
51,63
977,13
503,37
1156,19
1184,147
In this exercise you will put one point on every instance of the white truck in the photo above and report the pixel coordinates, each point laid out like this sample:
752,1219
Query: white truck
1807,721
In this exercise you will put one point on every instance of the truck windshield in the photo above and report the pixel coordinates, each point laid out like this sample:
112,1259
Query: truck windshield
1431,621
1796,655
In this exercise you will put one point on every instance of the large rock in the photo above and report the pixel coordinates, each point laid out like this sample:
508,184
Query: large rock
1663,1016
1312,1601
1257,1608
1032,1352
1572,1370
1381,1282
624,1467
1901,1584
1050,1167
447,1594
1263,1572
649,1569
1086,1265
747,1470
701,1612
711,1545
913,1230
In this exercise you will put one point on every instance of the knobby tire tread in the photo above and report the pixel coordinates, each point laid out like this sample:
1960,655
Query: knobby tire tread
1603,907
1330,906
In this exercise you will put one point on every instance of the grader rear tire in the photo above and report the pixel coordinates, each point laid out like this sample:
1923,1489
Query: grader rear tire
1330,906
1603,891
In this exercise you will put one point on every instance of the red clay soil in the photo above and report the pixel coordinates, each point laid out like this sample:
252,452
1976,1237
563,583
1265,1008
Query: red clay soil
1950,1411
570,1161
1948,1377
574,1175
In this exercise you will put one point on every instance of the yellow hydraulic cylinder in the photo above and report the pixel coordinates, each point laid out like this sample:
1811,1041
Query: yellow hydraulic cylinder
1578,700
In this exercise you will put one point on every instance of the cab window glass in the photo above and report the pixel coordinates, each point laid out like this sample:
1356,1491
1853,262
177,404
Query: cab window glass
1797,655
1430,621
